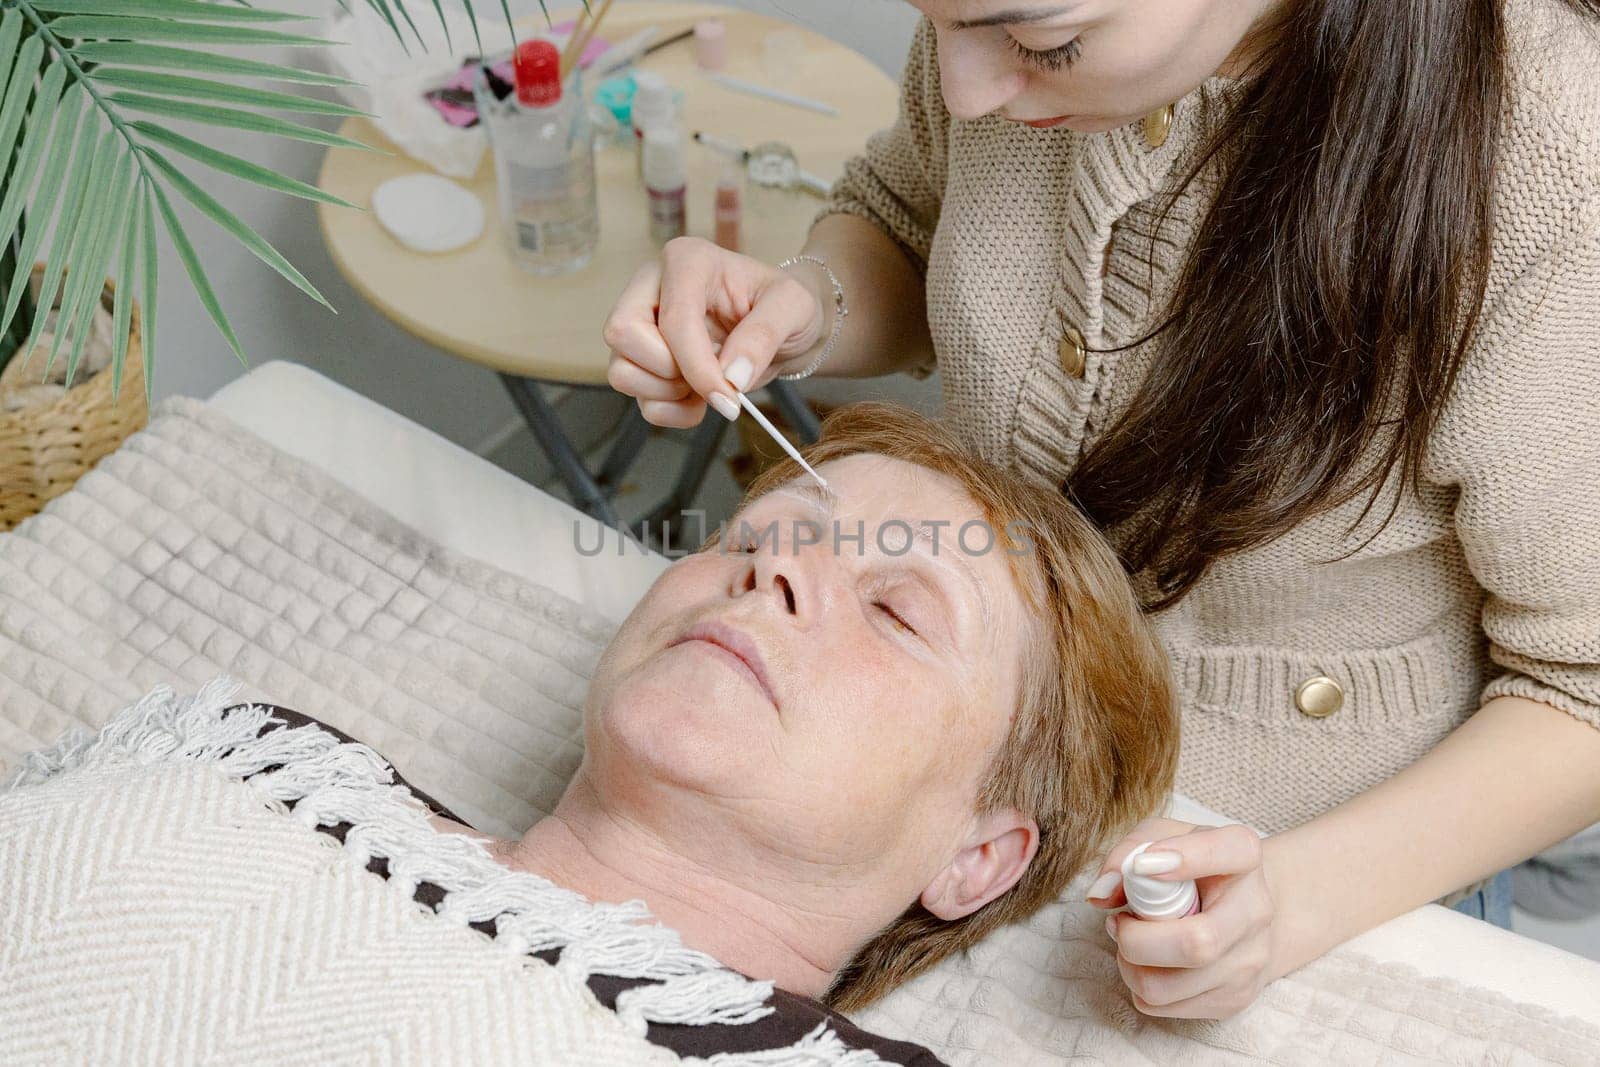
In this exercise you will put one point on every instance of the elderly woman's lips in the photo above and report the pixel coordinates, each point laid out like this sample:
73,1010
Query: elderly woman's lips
734,661
734,646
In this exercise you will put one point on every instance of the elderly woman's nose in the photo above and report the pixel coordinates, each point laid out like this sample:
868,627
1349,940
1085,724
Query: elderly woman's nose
976,79
782,576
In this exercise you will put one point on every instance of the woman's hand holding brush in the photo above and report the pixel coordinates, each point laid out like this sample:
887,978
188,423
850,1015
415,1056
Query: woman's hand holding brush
701,325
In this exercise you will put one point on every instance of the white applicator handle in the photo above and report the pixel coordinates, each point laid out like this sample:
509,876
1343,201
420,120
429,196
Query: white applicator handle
1151,898
783,442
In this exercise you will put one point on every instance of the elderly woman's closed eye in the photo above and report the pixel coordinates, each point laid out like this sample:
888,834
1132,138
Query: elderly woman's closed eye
867,724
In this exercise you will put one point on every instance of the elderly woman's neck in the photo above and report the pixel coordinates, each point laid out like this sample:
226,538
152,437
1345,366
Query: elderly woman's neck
739,919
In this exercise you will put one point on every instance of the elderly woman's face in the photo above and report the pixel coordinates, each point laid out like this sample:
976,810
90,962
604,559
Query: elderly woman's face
1088,65
840,700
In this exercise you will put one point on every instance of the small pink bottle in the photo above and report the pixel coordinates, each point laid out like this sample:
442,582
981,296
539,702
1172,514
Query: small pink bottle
730,209
1151,898
710,44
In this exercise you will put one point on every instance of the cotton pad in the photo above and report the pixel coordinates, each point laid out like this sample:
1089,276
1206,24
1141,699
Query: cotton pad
427,213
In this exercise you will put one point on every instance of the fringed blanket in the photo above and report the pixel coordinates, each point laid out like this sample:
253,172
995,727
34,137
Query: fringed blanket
166,898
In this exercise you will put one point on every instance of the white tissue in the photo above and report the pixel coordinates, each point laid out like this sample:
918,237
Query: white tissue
394,80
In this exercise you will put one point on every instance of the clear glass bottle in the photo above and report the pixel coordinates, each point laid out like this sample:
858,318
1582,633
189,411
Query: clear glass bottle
543,144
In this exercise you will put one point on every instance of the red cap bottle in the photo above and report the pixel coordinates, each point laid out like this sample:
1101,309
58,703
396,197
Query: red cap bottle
538,73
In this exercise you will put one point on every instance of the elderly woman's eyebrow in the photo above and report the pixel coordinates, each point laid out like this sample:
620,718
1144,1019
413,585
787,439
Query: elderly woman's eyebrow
819,497
940,554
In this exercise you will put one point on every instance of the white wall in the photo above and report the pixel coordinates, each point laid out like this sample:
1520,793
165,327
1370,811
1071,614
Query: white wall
359,347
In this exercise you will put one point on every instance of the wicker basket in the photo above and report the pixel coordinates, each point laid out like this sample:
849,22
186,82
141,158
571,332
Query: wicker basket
45,449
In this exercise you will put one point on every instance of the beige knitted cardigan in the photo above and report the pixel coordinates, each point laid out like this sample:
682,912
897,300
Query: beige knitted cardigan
1486,582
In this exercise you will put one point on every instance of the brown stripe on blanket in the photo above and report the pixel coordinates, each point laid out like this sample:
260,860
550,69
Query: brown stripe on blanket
793,1016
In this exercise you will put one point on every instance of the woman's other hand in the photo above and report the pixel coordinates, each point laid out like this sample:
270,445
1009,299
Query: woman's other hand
1210,965
699,319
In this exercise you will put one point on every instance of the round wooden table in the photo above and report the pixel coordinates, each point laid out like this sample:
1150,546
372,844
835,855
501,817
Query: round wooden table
477,304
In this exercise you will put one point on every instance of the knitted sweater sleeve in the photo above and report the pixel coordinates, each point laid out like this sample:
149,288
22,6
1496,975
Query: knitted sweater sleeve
1520,441
897,182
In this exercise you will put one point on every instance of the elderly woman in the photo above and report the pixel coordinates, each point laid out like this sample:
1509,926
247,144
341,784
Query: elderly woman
862,727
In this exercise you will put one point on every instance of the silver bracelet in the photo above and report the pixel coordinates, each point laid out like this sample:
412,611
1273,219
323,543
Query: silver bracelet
839,312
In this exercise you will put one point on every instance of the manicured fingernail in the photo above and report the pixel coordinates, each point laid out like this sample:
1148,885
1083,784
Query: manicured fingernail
1104,885
1156,862
1111,927
725,405
739,373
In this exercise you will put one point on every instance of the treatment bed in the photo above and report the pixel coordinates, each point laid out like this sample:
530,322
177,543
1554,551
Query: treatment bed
1000,1003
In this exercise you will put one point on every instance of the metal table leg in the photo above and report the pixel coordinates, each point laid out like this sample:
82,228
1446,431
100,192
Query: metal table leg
546,429
629,443
664,525
702,449
796,412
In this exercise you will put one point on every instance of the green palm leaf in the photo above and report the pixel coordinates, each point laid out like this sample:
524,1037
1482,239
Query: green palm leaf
20,82
83,287
68,114
22,75
200,10
88,86
20,178
197,273
118,28
80,250
88,166
149,81
212,209
234,165
382,8
232,118
138,54
122,300
148,262
444,24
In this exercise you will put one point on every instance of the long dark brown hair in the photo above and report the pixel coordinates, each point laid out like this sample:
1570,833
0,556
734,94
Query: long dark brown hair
1330,292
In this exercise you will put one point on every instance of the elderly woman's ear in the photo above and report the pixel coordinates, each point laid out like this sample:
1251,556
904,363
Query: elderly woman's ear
993,858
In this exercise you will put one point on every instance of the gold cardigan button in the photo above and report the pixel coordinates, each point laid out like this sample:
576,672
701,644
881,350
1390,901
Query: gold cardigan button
1319,697
1157,125
1072,352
